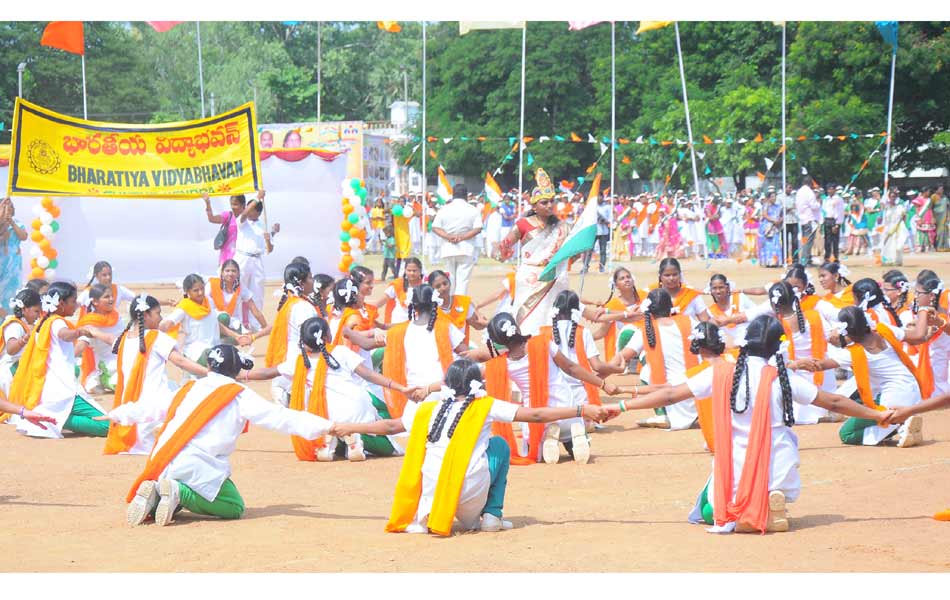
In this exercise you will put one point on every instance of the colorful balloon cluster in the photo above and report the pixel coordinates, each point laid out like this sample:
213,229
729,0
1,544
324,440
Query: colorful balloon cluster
43,261
353,226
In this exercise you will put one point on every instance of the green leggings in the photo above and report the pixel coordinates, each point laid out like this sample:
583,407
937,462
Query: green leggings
80,419
706,507
499,459
228,504
852,430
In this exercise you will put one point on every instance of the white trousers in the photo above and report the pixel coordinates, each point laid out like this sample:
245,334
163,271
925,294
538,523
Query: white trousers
459,269
252,279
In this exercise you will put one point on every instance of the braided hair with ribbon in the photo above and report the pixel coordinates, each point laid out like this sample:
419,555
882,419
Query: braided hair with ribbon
463,378
314,336
294,276
762,339
658,305
566,308
137,309
225,359
424,300
868,294
783,298
899,281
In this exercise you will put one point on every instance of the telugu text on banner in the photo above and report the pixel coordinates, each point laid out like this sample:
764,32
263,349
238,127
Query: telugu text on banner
59,155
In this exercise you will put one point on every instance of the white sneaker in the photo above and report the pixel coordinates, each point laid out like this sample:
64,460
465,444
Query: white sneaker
354,448
550,449
168,490
492,523
146,497
581,444
325,454
656,421
911,432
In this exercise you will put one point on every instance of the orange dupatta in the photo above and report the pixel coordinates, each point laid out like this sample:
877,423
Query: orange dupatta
122,438
217,295
115,295
400,291
27,386
683,299
277,343
862,374
610,338
819,345
808,301
593,394
365,323
718,312
751,502
458,313
498,385
217,401
88,364
704,409
655,355
316,405
394,359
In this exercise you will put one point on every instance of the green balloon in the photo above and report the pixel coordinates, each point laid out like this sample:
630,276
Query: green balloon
55,226
353,218
53,263
344,236
362,194
397,211
355,184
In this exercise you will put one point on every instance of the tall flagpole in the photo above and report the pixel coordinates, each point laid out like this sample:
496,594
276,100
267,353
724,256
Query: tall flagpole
524,36
613,136
689,126
320,73
890,114
425,182
201,77
85,115
784,152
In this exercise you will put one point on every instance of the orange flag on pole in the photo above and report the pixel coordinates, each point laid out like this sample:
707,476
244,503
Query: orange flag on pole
390,26
65,35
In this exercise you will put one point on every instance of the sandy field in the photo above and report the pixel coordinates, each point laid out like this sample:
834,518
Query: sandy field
862,509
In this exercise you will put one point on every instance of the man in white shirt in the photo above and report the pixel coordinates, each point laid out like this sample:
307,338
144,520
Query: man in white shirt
808,209
253,242
603,234
787,202
457,223
832,209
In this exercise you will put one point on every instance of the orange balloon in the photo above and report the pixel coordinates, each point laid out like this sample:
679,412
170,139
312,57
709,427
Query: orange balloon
37,273
50,253
36,224
33,264
357,232
44,244
346,225
342,268
344,247
55,211
346,259
47,203
36,236
362,243
347,209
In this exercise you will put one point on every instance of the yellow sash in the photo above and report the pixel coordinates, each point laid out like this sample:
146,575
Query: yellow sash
458,454
30,377
192,309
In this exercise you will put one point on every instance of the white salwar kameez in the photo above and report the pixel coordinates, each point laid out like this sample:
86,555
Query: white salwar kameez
559,392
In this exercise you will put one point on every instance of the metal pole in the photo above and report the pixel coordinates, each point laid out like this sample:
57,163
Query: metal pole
405,96
20,68
212,103
613,137
425,183
85,115
784,152
201,77
319,71
689,127
890,114
524,34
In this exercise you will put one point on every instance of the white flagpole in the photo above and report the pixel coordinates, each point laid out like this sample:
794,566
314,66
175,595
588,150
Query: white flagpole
201,77
689,127
425,187
320,72
784,151
890,113
524,35
85,115
613,137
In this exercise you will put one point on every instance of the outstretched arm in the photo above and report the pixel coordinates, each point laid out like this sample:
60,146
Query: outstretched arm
31,416
186,364
383,427
905,412
848,407
657,399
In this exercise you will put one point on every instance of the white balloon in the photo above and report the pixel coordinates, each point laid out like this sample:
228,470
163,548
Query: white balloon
35,251
46,218
46,230
42,261
38,209
50,274
354,243
407,212
357,254
346,186
51,236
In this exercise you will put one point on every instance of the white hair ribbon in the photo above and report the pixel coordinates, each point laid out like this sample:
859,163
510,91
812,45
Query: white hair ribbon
293,288
349,289
91,273
318,342
509,328
410,294
446,393
841,327
675,310
903,286
216,356
436,298
245,357
843,270
740,340
645,305
476,389
939,289
776,296
697,334
866,300
16,303
50,302
722,336
576,315
141,304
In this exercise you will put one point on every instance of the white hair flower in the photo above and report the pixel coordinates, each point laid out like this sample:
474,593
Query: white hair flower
939,289
776,296
476,389
740,340
868,297
16,303
509,328
843,270
645,305
841,327
446,393
867,319
674,311
245,357
697,334
50,302
903,286
576,315
292,288
216,356
348,290
722,336
436,297
141,304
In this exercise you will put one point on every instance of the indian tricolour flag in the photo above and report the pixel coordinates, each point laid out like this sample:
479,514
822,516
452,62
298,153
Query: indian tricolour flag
582,236
444,190
492,191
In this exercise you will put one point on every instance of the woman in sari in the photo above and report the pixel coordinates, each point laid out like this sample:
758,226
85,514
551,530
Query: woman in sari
893,231
857,230
941,208
770,231
541,235
12,233
671,242
750,246
925,221
716,244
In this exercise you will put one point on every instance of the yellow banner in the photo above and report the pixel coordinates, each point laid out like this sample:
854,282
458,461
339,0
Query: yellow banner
59,155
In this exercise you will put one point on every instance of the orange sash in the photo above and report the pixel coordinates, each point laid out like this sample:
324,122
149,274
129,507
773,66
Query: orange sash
115,296
925,369
751,502
316,405
88,364
654,220
683,299
365,323
394,359
511,284
498,385
197,420
122,438
862,375
809,301
819,345
277,343
593,394
27,387
655,355
400,291
9,321
715,311
217,295
458,313
610,338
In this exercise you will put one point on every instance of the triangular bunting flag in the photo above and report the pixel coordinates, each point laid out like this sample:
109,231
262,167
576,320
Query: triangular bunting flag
543,139
757,138
603,148
635,175
626,160
707,171
446,140
559,138
590,139
390,26
707,139
639,139
575,137
652,25
530,159
760,175
163,26
768,164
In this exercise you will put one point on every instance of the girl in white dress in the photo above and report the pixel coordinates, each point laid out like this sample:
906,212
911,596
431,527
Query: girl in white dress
231,301
101,272
97,372
753,414
14,334
932,355
453,434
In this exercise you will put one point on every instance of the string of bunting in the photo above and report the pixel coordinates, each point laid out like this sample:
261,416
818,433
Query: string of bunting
649,140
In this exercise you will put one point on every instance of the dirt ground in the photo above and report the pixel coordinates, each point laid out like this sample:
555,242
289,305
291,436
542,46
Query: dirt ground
861,509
